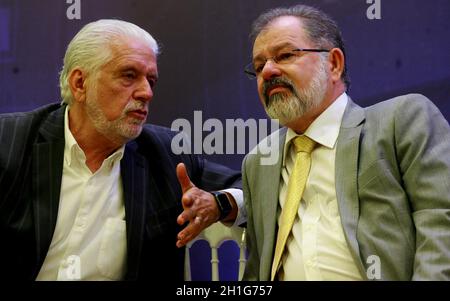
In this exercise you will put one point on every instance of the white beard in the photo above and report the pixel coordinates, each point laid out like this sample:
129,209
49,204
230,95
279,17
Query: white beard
120,130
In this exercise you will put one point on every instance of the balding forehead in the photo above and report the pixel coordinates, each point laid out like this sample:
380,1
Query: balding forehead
279,33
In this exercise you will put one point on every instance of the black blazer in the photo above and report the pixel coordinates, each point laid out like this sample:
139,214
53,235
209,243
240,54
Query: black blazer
31,163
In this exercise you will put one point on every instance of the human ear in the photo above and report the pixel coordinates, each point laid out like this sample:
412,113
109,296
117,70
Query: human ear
337,63
77,84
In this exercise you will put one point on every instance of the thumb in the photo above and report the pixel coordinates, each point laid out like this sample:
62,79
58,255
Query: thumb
183,178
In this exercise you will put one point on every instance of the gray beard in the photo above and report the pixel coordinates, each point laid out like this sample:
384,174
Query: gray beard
287,107
120,130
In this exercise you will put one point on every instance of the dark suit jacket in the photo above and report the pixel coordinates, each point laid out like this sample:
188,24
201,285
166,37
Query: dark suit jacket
31,164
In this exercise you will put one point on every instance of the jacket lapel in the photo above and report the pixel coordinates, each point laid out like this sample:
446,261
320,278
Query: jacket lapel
347,155
269,191
136,191
47,165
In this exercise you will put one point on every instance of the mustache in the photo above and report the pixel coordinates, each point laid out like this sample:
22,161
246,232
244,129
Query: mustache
135,105
278,81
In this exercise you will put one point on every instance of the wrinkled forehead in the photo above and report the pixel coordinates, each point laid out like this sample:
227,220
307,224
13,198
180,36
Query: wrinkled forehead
130,45
286,31
132,56
132,48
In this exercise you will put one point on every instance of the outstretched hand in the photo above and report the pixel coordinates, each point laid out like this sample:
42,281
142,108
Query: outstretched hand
200,208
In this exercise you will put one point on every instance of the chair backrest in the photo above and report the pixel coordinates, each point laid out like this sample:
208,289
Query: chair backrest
215,235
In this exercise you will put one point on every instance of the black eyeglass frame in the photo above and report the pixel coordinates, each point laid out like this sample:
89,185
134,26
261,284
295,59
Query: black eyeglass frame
249,67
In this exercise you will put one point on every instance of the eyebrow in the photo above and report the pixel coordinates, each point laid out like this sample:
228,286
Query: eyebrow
275,49
127,68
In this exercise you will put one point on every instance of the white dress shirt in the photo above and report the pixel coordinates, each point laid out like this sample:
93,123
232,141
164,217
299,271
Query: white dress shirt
89,242
316,248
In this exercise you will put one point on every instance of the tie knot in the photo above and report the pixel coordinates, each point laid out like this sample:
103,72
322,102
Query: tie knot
304,144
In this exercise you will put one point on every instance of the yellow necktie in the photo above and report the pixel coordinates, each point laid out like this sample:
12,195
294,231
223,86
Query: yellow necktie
297,180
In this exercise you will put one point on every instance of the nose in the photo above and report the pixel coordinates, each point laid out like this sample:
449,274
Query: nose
270,70
144,91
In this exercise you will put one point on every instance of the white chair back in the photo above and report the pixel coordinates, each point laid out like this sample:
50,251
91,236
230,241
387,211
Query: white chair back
215,235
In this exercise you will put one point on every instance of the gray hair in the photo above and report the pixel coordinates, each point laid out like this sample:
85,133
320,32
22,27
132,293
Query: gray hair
319,27
91,48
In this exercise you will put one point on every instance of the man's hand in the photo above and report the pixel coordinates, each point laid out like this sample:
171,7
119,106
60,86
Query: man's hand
200,208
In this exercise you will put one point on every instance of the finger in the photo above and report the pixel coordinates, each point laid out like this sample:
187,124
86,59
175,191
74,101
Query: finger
188,200
185,216
183,178
189,209
184,237
181,243
189,233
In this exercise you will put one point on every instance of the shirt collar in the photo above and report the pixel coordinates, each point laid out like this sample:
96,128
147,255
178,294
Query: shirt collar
325,128
72,151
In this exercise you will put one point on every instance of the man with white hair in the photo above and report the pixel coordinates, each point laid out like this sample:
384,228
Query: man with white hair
88,192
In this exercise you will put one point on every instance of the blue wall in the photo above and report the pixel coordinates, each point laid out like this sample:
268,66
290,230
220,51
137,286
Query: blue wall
205,46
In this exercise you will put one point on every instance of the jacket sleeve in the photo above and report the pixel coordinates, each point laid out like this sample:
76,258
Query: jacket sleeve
423,148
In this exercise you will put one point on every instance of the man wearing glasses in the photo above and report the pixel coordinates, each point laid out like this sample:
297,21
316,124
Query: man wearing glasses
356,193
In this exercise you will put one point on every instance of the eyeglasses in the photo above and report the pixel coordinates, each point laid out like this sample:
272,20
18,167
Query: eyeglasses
283,58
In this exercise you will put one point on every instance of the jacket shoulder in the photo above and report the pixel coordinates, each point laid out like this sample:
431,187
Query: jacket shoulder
14,125
153,129
41,111
404,103
159,135
156,138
